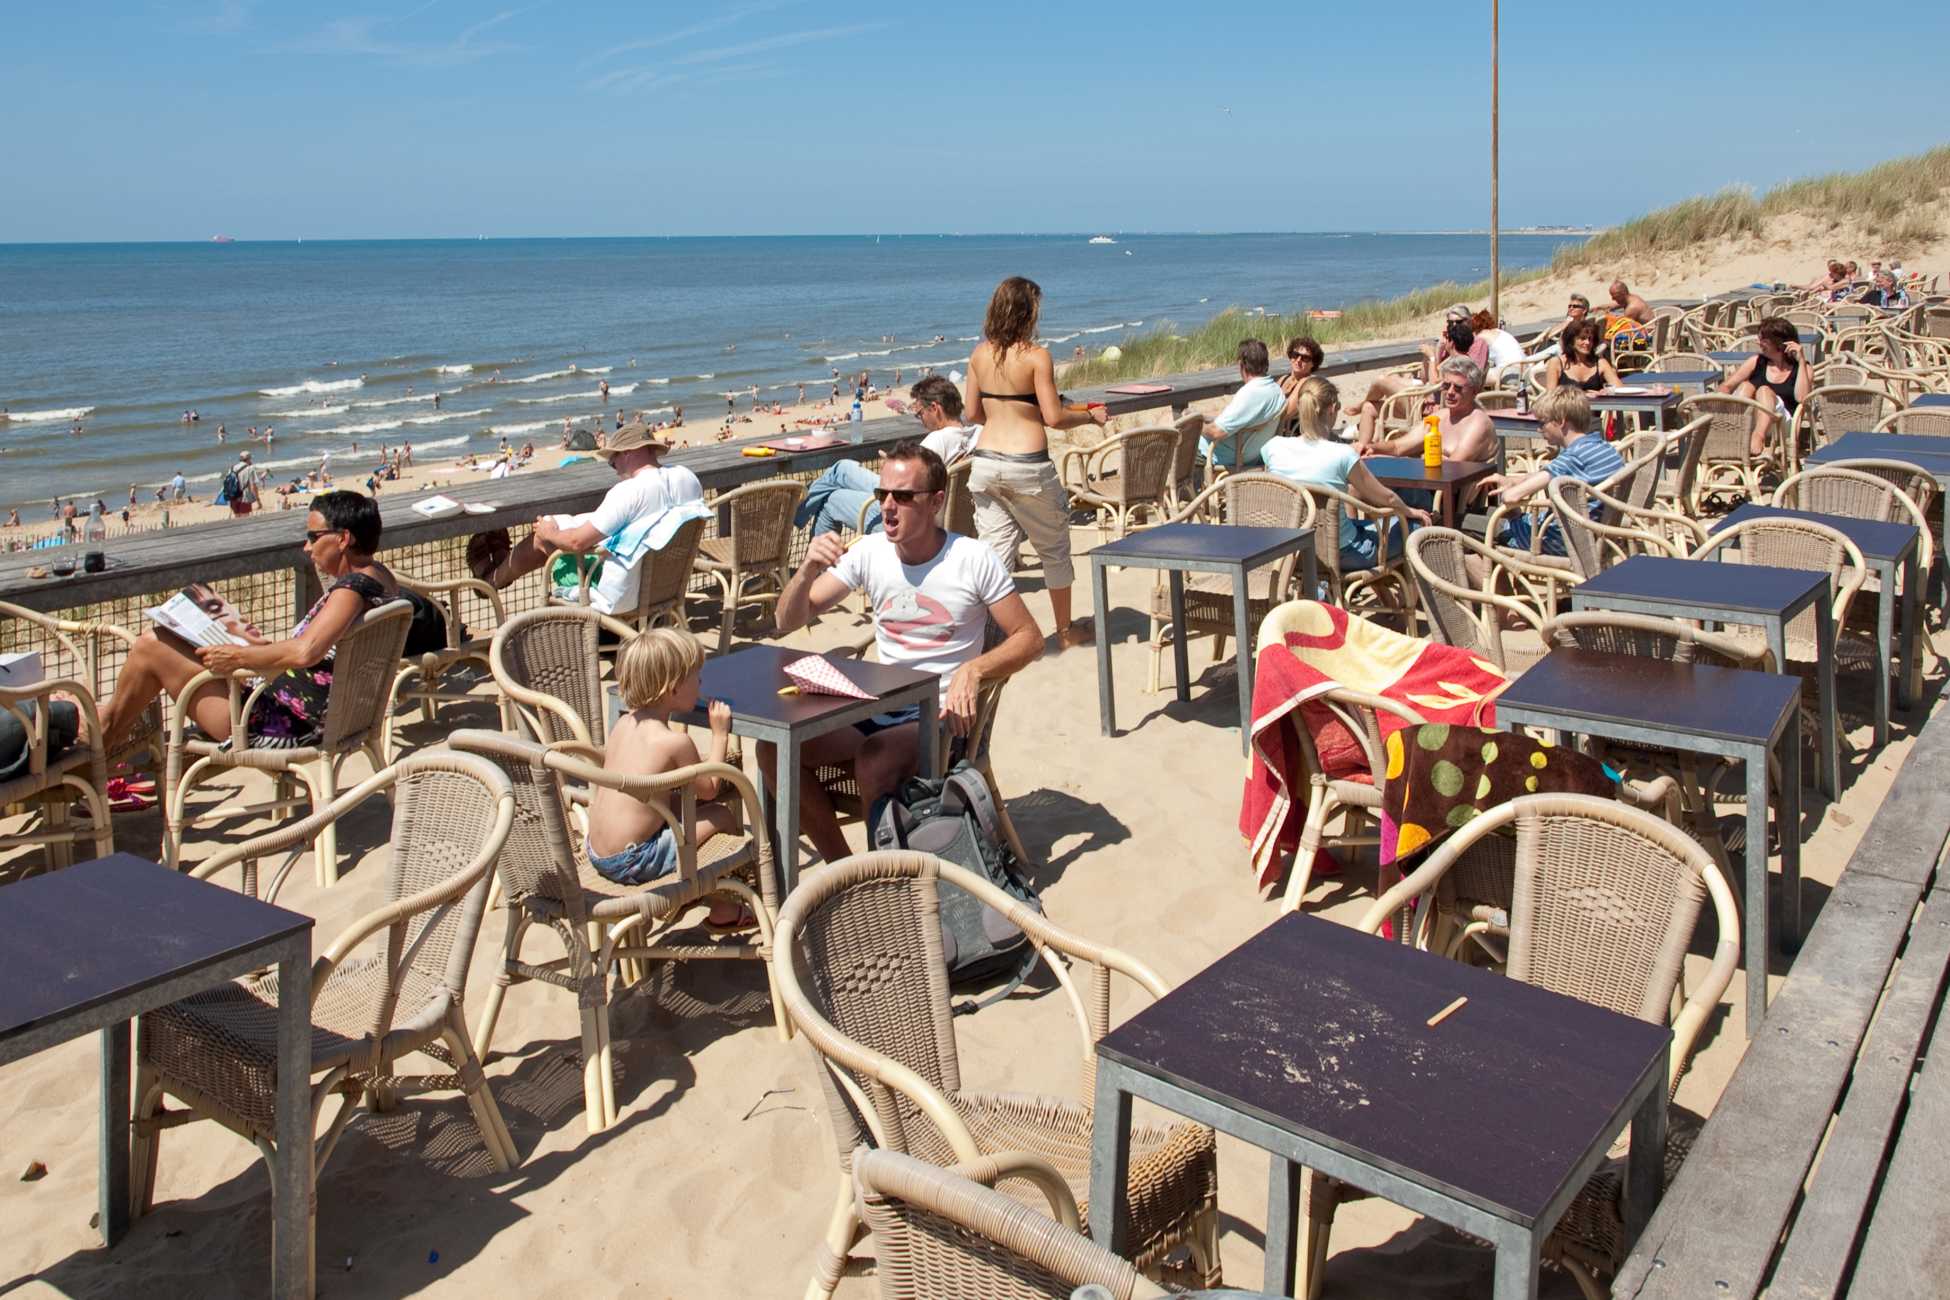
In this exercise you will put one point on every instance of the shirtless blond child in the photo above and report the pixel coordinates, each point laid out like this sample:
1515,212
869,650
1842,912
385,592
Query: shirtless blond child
657,673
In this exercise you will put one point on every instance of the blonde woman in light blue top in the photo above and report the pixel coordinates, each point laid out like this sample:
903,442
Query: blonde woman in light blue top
1312,456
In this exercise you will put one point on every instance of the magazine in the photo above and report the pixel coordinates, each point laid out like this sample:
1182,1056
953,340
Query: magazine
199,616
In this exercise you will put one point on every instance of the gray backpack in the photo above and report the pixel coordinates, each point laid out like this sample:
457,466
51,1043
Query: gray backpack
954,818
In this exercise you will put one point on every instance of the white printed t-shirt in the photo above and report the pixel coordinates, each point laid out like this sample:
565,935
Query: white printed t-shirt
650,491
932,617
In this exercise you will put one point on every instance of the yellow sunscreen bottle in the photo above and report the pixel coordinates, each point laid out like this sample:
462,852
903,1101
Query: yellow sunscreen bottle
1432,441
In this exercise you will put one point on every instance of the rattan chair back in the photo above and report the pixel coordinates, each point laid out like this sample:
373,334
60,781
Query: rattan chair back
1460,612
1684,361
546,663
542,858
364,664
666,578
1795,544
1930,421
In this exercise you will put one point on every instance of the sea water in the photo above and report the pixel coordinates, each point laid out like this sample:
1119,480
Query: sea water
347,342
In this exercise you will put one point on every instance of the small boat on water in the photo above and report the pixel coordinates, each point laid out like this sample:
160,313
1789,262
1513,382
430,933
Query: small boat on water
222,239
1102,239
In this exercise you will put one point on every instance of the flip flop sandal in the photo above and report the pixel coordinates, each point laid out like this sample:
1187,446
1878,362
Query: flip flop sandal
746,921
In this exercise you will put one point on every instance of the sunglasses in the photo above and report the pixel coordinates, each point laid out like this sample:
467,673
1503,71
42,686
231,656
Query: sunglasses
313,534
1454,388
901,496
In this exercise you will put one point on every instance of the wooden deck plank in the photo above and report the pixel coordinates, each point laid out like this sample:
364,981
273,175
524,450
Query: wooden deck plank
1822,1243
1722,1219
1907,1249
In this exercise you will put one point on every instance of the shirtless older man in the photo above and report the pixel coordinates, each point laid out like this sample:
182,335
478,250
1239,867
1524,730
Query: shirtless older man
1467,433
1626,303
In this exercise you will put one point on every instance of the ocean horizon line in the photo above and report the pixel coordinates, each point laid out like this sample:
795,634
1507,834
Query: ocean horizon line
224,240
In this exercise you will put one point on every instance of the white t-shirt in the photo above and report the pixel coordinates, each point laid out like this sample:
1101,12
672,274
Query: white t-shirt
931,617
1316,461
952,441
1504,349
650,491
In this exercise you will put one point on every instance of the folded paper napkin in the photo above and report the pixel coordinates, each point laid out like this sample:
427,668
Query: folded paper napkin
815,676
652,532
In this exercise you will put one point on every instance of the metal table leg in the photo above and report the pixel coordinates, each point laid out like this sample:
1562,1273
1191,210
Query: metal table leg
1242,631
1909,686
1831,762
930,737
1282,1208
1788,932
1516,1262
1645,1170
1106,706
1110,1161
786,813
112,1182
1181,654
1885,645
293,1262
1754,902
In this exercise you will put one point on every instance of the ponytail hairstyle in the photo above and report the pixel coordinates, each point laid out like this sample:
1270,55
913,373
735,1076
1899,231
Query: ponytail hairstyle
1319,399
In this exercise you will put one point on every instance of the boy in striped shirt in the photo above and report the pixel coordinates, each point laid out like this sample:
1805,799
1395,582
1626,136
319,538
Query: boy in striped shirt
1564,418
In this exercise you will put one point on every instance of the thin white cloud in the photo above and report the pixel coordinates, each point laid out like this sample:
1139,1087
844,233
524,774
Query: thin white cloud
359,36
780,41
725,19
225,18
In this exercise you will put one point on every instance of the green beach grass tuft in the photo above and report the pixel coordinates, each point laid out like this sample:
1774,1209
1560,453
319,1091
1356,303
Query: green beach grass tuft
1890,201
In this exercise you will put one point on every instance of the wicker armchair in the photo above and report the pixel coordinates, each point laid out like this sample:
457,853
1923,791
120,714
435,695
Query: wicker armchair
52,782
547,663
1632,486
1184,461
1929,420
663,586
216,1051
364,664
1471,615
1834,409
90,653
859,966
756,553
1386,581
1726,461
1255,498
947,1234
1356,799
1606,901
1684,361
1125,476
1618,531
422,679
547,883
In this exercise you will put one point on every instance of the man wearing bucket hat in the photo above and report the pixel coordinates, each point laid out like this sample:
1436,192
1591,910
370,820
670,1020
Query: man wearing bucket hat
644,488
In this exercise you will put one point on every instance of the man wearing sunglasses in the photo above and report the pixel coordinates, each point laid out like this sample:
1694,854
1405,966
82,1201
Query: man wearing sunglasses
833,500
933,594
1467,433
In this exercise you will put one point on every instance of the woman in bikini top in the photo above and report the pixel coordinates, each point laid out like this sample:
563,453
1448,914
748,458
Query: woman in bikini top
1582,365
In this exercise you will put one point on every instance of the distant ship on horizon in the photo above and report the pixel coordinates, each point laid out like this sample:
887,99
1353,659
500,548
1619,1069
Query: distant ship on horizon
222,239
1102,239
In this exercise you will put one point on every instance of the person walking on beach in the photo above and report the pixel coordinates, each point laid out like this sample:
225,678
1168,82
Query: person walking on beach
240,485
13,518
1012,395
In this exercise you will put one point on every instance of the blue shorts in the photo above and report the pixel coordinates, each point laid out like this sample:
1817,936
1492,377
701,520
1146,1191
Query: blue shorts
640,863
885,721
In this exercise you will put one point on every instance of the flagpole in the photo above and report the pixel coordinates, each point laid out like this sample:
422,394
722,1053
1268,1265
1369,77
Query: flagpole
1496,239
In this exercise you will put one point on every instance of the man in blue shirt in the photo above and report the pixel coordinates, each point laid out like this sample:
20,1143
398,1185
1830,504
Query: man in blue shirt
1251,418
1564,420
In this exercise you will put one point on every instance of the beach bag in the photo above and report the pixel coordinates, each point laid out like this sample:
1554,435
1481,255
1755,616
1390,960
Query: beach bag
233,490
1623,334
427,633
955,819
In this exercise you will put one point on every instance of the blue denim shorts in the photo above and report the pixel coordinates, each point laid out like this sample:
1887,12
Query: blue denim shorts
885,721
640,863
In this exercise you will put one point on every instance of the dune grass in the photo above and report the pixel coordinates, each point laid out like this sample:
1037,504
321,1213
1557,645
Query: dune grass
1892,202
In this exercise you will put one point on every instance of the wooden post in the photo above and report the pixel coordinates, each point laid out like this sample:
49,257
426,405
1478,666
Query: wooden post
1496,239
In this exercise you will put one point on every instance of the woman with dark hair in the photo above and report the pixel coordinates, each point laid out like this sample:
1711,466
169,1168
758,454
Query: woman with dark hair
1012,395
1581,364
341,534
1777,377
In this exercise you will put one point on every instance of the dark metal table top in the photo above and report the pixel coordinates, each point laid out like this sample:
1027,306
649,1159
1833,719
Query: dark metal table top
1928,400
749,680
1920,449
1679,376
77,938
1706,584
1321,1030
1876,539
1614,397
1212,543
1732,704
1409,470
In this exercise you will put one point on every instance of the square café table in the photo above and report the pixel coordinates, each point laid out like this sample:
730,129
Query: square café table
1714,591
1927,453
89,947
1931,400
1451,480
1689,383
749,680
1182,548
1703,709
1311,1041
1886,548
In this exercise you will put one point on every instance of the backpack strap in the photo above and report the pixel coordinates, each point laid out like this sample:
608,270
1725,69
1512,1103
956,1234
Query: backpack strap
969,1006
973,792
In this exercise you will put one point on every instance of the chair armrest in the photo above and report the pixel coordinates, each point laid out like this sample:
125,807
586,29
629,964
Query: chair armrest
233,682
448,593
992,1169
43,692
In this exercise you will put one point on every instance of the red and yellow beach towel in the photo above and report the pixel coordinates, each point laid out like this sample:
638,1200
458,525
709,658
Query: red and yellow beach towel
1307,648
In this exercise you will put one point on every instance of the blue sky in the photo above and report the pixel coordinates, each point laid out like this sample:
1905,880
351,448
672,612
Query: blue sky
177,119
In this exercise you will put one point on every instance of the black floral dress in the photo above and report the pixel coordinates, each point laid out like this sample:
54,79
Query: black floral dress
291,714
